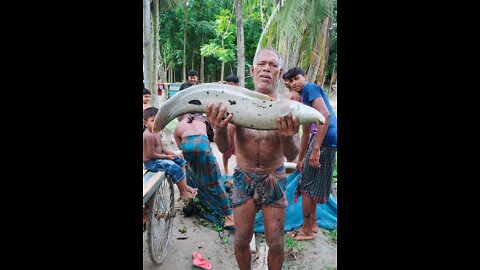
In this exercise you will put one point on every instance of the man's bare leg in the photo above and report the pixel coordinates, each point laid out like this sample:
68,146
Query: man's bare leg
308,207
315,228
244,216
274,218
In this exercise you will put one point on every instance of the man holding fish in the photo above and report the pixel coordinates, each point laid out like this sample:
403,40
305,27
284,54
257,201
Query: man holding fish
260,179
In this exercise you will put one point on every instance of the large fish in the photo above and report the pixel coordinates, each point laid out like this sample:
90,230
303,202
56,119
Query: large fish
249,108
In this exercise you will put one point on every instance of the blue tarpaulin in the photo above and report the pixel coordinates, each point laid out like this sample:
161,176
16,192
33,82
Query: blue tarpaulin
326,213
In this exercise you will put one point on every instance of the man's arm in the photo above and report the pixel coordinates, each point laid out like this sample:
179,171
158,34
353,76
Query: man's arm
303,146
319,105
288,132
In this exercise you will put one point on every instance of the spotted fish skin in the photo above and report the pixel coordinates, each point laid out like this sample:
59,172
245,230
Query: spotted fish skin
250,109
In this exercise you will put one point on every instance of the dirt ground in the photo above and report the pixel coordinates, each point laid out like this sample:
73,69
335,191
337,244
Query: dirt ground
317,254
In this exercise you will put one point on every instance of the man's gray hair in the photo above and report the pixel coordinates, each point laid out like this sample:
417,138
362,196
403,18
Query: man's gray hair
280,62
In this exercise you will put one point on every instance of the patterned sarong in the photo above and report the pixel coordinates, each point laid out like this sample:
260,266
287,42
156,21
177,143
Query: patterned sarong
265,189
203,173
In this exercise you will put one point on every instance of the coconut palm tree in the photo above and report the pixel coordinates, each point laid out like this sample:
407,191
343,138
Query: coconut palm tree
298,29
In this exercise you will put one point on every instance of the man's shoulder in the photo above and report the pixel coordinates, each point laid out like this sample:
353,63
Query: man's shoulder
312,88
310,85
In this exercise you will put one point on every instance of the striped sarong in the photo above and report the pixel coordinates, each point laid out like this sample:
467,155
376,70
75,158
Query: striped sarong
316,182
204,173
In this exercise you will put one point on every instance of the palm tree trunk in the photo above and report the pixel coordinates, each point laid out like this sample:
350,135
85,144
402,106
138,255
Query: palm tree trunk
223,45
275,10
318,53
184,71
223,64
202,68
325,51
296,52
333,80
261,15
147,49
240,44
157,68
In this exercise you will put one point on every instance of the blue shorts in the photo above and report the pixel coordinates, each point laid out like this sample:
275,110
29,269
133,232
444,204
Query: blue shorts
172,168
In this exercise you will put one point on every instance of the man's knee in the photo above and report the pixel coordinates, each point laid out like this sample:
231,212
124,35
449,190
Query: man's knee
242,240
276,246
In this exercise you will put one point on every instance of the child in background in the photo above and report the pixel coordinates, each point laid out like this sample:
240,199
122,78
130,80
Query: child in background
156,158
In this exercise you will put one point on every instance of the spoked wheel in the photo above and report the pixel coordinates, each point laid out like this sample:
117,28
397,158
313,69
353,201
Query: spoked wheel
160,221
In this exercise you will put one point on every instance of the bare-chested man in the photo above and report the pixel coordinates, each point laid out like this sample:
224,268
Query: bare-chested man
260,173
157,158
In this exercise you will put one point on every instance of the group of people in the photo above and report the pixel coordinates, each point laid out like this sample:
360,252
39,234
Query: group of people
259,177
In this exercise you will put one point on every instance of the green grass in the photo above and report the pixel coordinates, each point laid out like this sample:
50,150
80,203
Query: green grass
333,235
291,243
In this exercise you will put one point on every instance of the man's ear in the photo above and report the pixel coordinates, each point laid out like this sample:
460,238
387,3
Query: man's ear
251,69
280,74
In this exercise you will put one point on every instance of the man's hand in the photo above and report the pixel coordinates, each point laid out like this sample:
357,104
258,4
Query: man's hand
314,159
299,166
287,125
215,115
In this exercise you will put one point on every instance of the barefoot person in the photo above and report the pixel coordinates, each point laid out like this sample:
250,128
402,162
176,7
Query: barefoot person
317,153
203,171
259,178
156,158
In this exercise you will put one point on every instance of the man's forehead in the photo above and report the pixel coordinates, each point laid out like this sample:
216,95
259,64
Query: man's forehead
268,56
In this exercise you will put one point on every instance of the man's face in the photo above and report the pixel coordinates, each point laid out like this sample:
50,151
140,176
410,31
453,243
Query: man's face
149,122
298,82
146,98
193,79
266,72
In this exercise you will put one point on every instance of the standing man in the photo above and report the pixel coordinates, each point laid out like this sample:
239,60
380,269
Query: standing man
259,178
192,79
317,152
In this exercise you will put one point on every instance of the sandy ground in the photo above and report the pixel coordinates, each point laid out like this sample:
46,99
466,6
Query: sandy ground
318,254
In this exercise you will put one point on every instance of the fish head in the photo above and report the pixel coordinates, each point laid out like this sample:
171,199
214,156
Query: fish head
305,113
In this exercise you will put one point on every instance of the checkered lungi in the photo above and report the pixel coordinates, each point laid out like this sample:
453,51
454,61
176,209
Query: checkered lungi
316,182
204,173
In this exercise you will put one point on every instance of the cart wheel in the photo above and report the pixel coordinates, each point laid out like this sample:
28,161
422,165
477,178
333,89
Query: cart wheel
160,221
